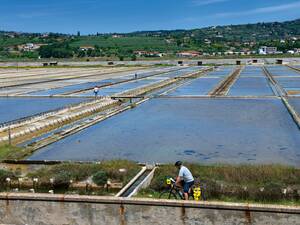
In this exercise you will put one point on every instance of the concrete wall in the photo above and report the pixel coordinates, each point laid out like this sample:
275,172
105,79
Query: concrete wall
186,61
34,209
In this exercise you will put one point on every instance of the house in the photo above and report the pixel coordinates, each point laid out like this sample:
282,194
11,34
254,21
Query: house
297,50
292,52
86,47
116,36
148,54
229,53
207,41
264,50
188,54
28,47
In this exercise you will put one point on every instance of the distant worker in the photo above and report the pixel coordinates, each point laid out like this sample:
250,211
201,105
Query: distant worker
185,179
96,90
135,76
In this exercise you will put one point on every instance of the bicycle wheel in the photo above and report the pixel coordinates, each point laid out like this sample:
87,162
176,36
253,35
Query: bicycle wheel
167,194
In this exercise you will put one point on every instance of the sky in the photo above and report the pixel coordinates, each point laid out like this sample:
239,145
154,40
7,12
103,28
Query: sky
109,16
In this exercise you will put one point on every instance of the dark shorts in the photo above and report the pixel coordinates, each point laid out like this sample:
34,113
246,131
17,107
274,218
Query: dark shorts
187,186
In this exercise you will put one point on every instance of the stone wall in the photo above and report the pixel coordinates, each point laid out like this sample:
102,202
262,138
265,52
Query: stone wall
31,209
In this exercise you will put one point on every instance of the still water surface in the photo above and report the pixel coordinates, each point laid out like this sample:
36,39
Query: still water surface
196,130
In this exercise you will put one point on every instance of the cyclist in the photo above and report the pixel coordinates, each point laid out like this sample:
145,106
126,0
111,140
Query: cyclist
185,179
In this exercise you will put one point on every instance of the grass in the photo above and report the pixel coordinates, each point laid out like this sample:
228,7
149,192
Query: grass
62,174
254,183
81,171
133,43
7,150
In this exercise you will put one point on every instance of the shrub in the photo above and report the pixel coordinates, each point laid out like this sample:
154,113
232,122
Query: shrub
100,178
62,180
80,172
243,182
4,174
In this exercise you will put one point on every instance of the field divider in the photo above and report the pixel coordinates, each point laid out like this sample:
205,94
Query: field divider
53,120
293,68
70,78
145,89
120,82
45,125
284,98
94,120
224,86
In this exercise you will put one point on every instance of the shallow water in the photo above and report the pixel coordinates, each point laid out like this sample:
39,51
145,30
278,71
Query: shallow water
295,102
203,85
16,108
289,82
282,71
251,86
110,90
221,72
195,130
251,71
71,88
200,86
86,85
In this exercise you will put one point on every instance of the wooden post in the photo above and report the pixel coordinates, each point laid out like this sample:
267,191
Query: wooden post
9,136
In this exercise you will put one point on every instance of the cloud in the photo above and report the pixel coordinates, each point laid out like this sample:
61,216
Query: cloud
207,2
31,15
270,9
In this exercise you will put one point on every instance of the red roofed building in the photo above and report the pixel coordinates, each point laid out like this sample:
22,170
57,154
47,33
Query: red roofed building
189,54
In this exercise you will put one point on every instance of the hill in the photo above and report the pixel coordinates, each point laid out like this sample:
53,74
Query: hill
247,37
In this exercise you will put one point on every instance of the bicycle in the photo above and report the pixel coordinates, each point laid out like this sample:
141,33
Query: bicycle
174,192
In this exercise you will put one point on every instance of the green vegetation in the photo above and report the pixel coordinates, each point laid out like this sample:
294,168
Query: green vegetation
59,177
80,172
5,174
7,150
56,50
100,178
237,38
253,183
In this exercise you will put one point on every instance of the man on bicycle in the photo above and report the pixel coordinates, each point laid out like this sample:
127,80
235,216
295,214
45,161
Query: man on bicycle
185,179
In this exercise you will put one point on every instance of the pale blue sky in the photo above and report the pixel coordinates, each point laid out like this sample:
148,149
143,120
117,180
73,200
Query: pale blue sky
91,16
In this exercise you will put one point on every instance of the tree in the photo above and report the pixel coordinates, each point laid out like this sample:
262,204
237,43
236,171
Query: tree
57,50
133,58
81,54
100,178
89,52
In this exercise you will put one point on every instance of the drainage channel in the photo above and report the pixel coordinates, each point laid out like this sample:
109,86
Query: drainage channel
141,180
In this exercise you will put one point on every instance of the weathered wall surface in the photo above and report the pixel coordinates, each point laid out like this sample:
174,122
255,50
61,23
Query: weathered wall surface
31,209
